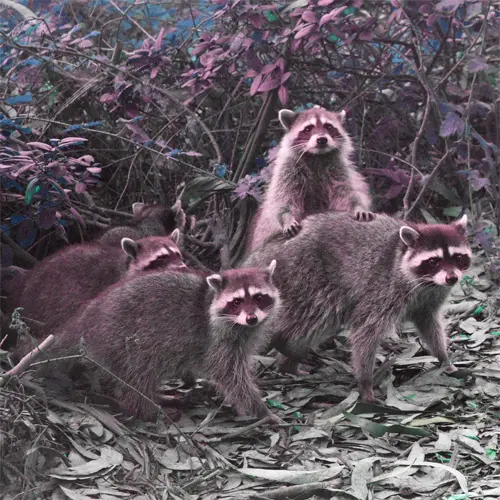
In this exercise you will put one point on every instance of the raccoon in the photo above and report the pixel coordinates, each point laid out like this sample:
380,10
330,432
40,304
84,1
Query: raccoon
57,286
367,276
149,220
312,173
177,325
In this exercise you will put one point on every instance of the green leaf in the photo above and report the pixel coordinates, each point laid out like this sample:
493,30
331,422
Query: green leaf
203,187
491,453
275,404
478,310
31,189
496,334
379,430
270,16
472,404
452,211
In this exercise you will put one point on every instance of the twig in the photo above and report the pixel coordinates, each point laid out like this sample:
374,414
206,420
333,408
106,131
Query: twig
414,154
427,182
203,479
27,360
286,492
19,252
24,11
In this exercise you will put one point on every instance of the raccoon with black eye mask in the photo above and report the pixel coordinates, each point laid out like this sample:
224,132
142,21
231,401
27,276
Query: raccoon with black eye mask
134,328
368,277
312,173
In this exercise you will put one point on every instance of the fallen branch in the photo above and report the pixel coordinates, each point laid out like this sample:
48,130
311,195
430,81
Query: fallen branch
19,252
286,492
27,360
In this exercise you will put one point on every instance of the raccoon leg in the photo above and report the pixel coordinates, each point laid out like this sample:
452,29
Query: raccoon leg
363,216
430,327
233,376
365,340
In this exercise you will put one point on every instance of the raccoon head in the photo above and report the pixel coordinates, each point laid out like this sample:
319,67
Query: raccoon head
316,131
159,217
153,253
436,253
244,296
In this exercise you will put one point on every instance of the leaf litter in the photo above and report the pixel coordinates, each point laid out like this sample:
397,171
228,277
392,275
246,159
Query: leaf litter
429,435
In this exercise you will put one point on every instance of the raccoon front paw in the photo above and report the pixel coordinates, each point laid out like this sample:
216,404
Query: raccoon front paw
292,229
364,216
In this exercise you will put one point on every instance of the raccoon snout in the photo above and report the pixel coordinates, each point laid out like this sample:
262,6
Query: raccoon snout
322,141
252,320
451,279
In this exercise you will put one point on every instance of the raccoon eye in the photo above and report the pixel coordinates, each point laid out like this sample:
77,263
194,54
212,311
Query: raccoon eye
257,297
434,261
308,128
329,127
237,302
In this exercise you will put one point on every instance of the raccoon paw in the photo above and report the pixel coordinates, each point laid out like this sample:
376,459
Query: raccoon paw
292,229
364,216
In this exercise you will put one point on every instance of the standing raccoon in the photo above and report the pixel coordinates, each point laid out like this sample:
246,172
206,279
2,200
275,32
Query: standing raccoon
177,325
312,173
367,276
149,220
58,285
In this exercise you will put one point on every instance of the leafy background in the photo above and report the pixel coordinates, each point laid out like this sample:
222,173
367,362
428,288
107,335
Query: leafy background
107,102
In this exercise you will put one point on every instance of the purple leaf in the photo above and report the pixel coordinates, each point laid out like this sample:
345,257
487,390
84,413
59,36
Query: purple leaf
449,5
285,77
72,140
394,191
477,64
479,183
269,84
452,124
324,3
256,84
308,28
109,98
283,95
309,16
94,170
40,145
85,44
80,187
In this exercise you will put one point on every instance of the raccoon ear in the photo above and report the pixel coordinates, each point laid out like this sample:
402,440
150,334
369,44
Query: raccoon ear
342,115
461,224
176,234
409,236
177,206
287,117
271,267
215,282
130,247
137,208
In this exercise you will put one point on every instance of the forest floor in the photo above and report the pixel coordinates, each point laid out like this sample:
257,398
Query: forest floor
434,437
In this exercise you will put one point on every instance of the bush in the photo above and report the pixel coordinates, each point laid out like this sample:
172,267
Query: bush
110,103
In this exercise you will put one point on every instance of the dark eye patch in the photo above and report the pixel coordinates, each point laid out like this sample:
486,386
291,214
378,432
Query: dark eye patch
308,128
462,260
263,300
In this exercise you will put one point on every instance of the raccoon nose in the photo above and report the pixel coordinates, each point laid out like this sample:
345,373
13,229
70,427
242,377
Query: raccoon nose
451,279
322,141
252,319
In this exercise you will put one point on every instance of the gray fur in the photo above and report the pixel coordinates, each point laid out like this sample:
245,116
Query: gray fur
59,284
305,183
336,271
164,325
149,220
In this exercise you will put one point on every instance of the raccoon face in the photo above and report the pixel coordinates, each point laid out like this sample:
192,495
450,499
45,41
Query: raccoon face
315,131
243,296
153,253
437,254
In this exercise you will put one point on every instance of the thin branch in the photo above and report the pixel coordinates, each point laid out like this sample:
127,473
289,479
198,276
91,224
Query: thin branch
427,182
414,155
